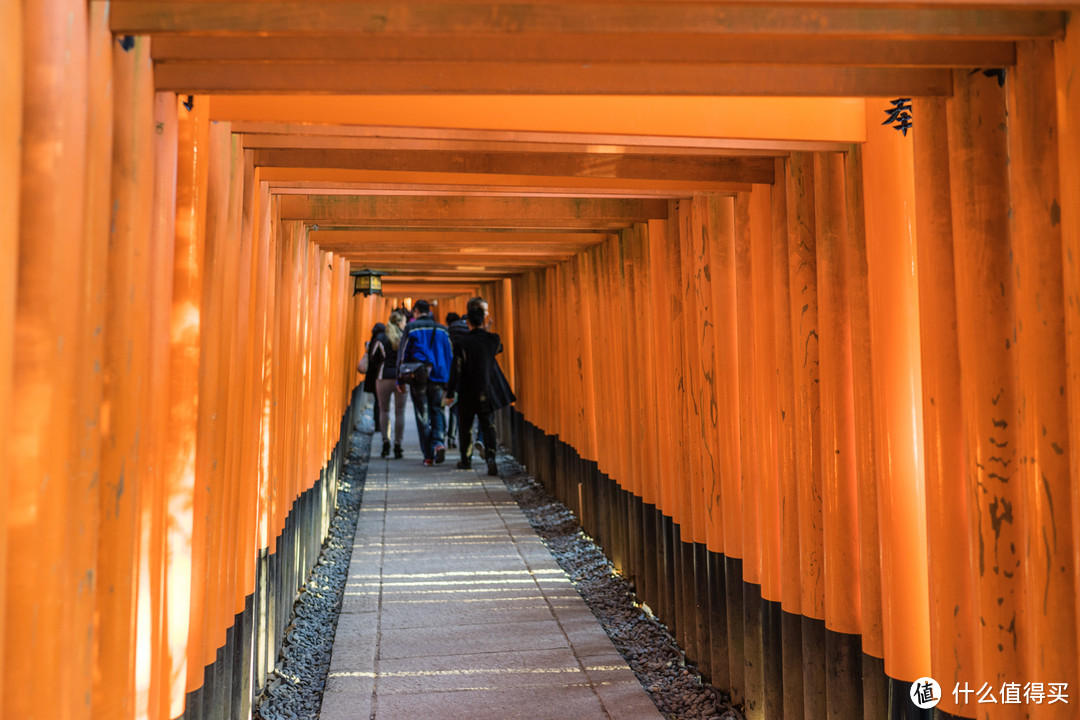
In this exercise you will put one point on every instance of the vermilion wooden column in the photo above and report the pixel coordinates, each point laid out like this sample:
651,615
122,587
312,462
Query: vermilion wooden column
237,332
682,516
505,300
765,391
617,295
790,578
579,370
767,419
663,346
185,568
747,572
699,363
163,249
952,623
728,532
211,590
804,322
268,233
588,367
44,585
843,605
257,266
728,627
645,443
702,355
873,648
744,344
125,431
890,245
651,322
1066,60
805,344
986,323
1043,429
665,360
681,468
91,298
11,70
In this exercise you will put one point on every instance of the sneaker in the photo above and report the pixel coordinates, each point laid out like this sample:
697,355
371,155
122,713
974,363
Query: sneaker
398,454
440,453
464,464
428,462
385,449
479,447
450,443
493,469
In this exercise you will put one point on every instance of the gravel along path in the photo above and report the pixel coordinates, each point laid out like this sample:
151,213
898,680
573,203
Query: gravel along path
295,687
674,684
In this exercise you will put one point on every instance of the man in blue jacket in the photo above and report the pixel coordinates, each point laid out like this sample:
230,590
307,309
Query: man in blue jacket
427,341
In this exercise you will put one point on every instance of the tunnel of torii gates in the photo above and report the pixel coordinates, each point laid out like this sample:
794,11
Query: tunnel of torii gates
808,375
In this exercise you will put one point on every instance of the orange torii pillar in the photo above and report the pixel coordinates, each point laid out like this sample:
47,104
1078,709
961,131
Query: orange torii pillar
874,686
806,351
11,69
1045,471
790,570
893,305
843,608
45,574
1066,60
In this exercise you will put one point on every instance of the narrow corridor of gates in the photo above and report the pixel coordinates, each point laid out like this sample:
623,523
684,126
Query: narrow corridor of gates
810,377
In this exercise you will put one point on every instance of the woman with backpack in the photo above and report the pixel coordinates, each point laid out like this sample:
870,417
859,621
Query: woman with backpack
384,347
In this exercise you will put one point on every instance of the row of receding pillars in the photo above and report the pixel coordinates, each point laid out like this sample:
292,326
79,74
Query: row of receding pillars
856,391
175,367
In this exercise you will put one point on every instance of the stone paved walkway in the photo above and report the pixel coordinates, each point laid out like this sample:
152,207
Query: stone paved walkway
454,609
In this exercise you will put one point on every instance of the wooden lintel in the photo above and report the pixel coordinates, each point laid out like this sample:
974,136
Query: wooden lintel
265,134
428,289
453,211
670,121
432,77
427,256
562,47
549,164
896,20
447,264
291,137
513,187
457,239
537,223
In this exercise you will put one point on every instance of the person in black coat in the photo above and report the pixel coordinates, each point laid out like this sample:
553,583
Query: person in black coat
373,372
471,374
456,326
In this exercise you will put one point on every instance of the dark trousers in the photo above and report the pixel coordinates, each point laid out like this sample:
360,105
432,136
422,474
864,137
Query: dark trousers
430,421
469,408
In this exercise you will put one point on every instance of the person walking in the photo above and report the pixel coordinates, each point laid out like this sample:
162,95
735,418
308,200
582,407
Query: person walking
471,375
427,344
369,374
456,326
384,351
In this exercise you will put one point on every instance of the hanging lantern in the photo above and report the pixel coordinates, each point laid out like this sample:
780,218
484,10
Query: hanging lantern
368,282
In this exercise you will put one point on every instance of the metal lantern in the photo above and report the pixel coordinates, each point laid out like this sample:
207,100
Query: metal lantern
367,282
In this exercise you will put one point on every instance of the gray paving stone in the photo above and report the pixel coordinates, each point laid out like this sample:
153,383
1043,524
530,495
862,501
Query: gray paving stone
555,702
